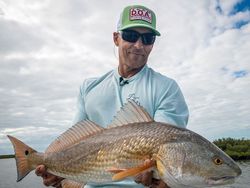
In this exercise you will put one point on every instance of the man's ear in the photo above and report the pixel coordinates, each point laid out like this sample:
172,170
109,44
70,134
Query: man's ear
116,38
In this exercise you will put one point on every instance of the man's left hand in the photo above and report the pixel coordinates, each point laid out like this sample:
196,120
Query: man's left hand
147,179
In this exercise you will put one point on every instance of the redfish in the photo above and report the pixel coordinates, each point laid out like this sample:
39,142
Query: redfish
88,153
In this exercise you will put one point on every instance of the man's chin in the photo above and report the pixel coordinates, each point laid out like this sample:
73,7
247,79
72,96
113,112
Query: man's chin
135,65
138,61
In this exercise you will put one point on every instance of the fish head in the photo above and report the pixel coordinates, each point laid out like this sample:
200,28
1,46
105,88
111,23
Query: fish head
195,163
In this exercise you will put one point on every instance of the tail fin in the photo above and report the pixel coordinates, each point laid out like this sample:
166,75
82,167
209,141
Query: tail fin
22,153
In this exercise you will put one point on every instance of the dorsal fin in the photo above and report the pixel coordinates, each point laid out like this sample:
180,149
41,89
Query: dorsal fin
130,113
73,135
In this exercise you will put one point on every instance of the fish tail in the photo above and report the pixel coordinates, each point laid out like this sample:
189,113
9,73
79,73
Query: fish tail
23,156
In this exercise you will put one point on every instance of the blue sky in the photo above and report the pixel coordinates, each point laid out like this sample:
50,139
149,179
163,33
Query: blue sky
47,49
241,6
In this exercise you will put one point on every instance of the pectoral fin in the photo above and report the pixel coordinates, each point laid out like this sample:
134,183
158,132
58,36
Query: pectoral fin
133,171
116,170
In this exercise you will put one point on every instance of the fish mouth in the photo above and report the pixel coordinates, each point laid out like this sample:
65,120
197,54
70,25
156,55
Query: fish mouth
220,180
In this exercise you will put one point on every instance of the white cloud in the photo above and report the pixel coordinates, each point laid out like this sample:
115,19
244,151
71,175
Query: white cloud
16,37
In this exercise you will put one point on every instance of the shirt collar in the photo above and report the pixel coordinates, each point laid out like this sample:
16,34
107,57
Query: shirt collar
130,79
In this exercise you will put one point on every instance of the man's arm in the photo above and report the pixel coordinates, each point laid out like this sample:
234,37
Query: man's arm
171,107
80,108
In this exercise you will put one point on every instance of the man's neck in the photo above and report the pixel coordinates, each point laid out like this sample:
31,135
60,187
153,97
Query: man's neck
127,72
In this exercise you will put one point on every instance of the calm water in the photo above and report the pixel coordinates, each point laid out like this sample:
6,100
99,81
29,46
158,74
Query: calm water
8,176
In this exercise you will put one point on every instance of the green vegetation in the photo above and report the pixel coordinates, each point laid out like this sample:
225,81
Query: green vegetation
6,156
238,149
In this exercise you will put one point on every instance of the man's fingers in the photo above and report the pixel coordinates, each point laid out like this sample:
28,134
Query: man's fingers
147,178
48,179
57,182
40,170
158,184
138,178
58,185
144,178
51,180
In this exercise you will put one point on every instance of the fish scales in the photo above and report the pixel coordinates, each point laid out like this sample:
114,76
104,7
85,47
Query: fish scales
119,147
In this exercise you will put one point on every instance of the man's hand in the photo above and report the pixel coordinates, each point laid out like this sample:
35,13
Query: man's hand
48,179
147,179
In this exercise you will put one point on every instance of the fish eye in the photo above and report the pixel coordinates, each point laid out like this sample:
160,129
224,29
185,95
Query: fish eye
26,152
217,161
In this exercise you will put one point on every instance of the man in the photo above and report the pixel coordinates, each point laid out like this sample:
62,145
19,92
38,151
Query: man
101,98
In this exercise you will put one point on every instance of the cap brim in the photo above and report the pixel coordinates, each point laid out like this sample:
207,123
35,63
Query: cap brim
141,25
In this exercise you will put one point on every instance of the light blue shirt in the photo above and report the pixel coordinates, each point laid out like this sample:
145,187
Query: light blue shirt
101,98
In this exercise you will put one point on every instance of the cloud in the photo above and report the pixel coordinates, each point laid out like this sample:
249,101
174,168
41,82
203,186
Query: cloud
217,76
38,141
16,37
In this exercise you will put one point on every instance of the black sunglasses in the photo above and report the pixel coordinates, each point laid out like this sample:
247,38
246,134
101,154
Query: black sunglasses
133,36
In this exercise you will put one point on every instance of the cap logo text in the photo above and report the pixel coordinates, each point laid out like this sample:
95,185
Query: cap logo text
140,14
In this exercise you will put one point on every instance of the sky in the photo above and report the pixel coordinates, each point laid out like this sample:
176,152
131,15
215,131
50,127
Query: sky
48,48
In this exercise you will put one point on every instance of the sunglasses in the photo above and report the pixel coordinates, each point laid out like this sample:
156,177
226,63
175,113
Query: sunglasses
133,36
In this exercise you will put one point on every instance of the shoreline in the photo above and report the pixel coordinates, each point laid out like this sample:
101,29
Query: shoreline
7,156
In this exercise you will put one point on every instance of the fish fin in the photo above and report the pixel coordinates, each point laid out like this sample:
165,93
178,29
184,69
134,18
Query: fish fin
22,152
163,172
160,168
133,171
115,170
131,112
71,184
73,135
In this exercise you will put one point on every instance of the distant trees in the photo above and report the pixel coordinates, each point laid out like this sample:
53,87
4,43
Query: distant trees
238,149
6,156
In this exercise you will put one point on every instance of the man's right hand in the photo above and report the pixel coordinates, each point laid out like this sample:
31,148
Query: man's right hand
48,179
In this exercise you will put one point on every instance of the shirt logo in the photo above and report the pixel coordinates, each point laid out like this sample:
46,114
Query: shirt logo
133,98
140,14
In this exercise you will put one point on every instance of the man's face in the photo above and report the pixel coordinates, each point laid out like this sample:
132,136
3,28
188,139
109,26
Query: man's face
133,55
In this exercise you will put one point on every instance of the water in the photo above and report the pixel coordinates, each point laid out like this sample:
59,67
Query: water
8,176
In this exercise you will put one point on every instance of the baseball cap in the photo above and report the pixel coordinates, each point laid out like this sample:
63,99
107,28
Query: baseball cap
137,16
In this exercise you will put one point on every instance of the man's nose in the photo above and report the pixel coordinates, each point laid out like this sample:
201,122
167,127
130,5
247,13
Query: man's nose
138,44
